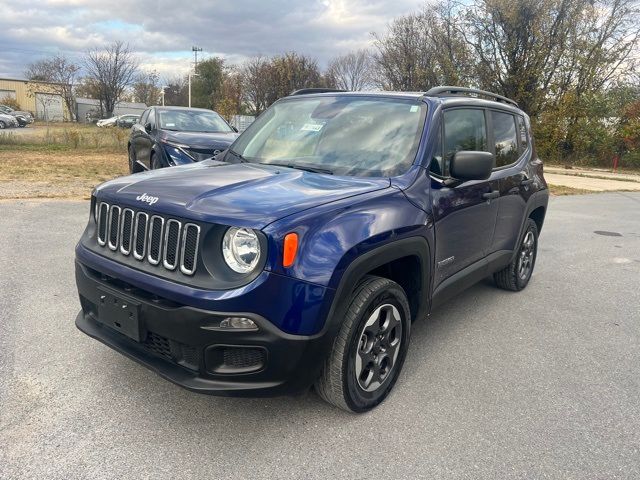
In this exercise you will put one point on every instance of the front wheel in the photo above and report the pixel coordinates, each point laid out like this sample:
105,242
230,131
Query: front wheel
134,166
2,125
369,351
517,274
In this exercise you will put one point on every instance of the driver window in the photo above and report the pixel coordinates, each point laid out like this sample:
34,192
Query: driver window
464,130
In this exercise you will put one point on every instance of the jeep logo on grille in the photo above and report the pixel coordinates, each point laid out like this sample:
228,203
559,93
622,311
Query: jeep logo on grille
147,198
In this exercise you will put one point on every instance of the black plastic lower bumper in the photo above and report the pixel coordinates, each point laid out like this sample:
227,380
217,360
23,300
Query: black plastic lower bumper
183,345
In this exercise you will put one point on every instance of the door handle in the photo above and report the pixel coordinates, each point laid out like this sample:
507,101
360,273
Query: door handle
491,195
526,182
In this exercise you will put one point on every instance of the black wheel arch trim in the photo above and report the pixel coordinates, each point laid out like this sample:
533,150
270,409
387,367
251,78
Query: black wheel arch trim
417,246
537,200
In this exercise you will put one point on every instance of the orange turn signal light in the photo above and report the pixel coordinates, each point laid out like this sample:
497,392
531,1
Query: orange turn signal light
290,249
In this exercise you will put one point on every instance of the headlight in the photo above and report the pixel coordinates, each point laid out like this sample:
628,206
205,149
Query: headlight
178,152
241,249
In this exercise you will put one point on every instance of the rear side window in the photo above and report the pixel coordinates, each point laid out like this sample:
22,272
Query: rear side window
524,135
506,139
464,129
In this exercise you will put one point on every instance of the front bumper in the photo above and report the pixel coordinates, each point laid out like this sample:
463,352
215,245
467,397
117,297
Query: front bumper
181,344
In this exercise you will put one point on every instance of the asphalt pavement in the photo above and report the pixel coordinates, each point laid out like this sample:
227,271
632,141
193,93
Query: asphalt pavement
544,383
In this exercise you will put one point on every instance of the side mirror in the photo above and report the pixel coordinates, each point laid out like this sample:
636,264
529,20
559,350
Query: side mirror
147,127
471,165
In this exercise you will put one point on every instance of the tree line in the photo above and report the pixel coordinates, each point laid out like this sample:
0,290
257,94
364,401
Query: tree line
572,65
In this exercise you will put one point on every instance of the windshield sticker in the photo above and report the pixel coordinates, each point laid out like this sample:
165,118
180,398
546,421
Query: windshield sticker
413,109
312,127
170,124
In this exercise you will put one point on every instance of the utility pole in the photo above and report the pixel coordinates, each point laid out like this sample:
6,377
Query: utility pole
195,51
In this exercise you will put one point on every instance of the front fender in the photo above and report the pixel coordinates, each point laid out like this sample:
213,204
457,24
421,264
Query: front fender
333,236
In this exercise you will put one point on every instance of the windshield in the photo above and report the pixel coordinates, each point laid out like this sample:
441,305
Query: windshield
192,121
344,135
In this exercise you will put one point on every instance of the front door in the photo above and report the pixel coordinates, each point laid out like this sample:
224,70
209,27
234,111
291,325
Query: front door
464,215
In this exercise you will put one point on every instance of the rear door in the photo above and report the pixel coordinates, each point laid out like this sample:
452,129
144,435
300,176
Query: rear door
510,143
464,217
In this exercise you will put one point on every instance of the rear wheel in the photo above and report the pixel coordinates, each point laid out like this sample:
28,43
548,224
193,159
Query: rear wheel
368,352
517,274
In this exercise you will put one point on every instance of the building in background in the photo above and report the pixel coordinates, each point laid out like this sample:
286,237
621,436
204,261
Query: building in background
36,97
88,109
241,122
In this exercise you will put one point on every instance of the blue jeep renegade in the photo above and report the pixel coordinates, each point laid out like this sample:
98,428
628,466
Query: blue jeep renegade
301,255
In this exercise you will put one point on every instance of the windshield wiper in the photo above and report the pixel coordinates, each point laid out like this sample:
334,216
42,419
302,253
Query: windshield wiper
306,168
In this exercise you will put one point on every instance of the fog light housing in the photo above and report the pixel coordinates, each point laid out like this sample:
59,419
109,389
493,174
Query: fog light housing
239,323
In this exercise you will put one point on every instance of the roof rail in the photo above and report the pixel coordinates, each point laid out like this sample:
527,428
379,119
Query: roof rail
307,91
451,91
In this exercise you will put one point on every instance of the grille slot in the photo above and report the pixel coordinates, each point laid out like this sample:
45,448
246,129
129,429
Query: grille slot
154,239
126,230
156,225
114,227
189,256
103,216
140,235
171,244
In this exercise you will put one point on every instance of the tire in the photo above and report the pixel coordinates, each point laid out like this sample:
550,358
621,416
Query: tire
154,163
346,381
517,274
2,125
134,166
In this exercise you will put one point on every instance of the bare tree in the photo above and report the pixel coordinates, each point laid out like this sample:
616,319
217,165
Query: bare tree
145,88
254,75
352,71
61,73
113,68
537,51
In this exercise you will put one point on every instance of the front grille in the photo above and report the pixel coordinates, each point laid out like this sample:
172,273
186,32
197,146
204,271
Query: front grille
158,344
154,239
176,352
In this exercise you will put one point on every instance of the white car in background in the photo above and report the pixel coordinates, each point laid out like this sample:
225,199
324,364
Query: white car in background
108,122
8,121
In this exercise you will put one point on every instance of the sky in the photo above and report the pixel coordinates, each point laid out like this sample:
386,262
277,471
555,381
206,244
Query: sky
162,32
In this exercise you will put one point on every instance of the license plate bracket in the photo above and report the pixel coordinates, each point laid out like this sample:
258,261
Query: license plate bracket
121,313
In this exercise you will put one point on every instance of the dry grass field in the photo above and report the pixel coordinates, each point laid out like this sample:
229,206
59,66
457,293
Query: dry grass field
60,161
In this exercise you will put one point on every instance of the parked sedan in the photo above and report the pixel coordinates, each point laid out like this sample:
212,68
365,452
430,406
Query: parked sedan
168,136
107,122
23,118
8,121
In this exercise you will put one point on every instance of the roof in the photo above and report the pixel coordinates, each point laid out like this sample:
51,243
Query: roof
449,100
24,80
93,101
178,107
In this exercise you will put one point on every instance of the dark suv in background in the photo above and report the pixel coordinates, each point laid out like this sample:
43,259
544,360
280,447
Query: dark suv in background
302,255
169,136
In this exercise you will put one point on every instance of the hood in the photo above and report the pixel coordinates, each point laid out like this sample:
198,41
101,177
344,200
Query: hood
201,140
20,113
244,195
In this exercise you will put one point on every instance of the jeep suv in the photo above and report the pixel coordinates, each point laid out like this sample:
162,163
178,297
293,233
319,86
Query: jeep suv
302,254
